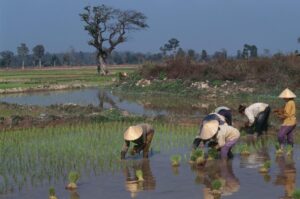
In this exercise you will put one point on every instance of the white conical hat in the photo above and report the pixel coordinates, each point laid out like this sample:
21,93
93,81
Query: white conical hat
287,93
133,133
209,129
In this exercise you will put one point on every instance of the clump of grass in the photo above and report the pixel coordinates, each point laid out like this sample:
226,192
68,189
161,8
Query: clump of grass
216,186
73,178
175,160
212,154
197,156
289,149
52,194
296,194
244,150
139,175
279,151
266,166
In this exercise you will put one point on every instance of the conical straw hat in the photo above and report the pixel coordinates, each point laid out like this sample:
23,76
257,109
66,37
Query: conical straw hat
133,133
209,129
287,93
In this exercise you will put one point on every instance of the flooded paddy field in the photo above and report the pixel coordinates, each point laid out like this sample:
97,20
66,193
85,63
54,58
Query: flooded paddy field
34,160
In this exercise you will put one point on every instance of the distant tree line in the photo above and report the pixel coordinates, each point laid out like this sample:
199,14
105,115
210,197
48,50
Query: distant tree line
38,57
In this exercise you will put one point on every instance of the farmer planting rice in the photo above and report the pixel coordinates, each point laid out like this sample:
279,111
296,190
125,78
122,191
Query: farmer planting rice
212,116
288,114
258,116
226,112
141,135
224,135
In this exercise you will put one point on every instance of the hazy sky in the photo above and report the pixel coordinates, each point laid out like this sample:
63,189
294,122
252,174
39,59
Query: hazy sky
197,24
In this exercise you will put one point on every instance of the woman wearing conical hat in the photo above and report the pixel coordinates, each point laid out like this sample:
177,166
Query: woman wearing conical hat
141,135
224,135
288,114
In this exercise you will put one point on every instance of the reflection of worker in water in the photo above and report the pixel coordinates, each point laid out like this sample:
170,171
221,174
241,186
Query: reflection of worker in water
222,171
287,175
141,135
132,184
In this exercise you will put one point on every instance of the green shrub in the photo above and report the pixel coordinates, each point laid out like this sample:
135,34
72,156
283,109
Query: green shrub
51,191
296,194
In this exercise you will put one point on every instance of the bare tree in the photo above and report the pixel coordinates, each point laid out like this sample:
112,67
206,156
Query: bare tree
109,27
23,53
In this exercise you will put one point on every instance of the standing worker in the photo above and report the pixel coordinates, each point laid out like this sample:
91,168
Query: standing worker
288,114
141,135
258,116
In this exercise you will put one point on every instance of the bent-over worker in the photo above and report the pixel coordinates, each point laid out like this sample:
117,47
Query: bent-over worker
224,135
258,116
141,135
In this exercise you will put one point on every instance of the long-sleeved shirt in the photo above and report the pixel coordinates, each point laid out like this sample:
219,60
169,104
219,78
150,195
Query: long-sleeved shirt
227,133
142,143
289,113
253,110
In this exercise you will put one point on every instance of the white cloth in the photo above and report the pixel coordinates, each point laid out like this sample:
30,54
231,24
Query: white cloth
221,108
227,133
253,110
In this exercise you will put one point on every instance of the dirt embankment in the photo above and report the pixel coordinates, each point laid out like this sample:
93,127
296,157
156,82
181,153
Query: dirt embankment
43,88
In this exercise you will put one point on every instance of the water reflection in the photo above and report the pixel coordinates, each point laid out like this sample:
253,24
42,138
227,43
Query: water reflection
74,195
287,175
217,170
134,186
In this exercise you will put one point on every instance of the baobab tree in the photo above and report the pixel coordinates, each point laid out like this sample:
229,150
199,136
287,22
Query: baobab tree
108,28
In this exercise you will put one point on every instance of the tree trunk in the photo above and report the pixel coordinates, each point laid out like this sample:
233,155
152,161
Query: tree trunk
23,64
40,63
101,68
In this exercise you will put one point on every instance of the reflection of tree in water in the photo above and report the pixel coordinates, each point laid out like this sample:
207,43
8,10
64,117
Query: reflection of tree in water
131,183
105,98
287,175
217,170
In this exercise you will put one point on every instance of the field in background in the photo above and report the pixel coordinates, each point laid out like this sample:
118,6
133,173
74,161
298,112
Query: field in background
32,78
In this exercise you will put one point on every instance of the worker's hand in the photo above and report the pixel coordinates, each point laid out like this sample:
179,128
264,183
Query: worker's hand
247,124
133,151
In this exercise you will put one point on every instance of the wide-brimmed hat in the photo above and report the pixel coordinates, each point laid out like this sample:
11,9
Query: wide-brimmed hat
287,93
133,133
209,129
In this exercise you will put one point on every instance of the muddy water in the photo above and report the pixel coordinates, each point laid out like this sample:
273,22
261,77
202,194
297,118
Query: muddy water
138,103
240,179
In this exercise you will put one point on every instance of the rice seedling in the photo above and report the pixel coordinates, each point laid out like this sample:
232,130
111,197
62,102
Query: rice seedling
197,157
296,194
212,154
216,186
279,150
73,178
266,167
175,160
52,194
289,150
244,150
139,175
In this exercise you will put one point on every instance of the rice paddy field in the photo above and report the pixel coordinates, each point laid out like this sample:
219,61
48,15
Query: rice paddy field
33,160
32,78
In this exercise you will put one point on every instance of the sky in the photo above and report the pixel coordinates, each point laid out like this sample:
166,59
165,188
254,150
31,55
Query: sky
198,24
